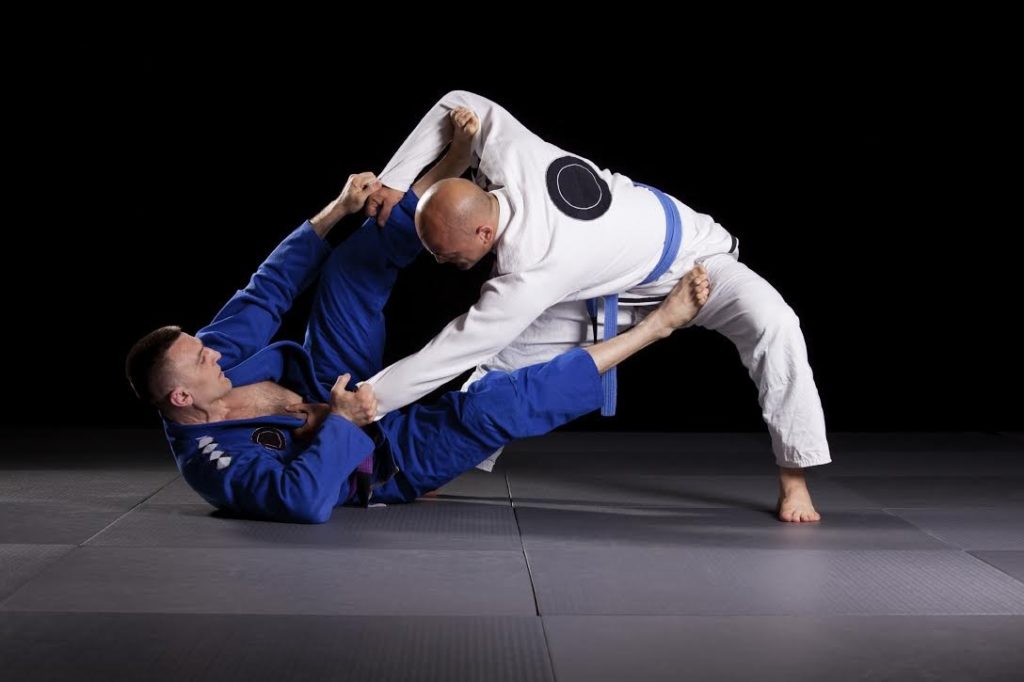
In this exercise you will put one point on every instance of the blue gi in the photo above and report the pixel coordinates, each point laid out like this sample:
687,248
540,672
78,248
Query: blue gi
254,467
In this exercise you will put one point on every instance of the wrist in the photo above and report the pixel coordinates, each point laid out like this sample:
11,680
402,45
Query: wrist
343,415
328,218
460,151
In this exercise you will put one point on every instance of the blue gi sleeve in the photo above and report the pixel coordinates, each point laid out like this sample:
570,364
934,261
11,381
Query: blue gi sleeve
250,319
252,482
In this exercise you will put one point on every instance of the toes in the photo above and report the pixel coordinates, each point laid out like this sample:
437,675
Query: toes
798,515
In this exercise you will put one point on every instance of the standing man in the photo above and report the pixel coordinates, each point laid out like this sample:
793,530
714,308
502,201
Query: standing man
566,235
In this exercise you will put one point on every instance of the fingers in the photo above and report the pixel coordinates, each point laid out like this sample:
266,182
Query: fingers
357,189
341,383
373,203
365,181
385,213
368,400
380,203
465,120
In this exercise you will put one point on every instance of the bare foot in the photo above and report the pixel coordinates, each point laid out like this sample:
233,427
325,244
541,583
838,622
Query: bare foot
795,504
686,298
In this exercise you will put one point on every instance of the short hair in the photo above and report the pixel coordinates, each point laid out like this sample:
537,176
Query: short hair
148,357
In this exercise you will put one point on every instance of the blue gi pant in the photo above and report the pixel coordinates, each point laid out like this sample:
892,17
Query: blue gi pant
432,444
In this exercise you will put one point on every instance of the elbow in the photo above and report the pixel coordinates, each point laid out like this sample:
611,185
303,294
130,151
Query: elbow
306,508
465,98
454,96
310,514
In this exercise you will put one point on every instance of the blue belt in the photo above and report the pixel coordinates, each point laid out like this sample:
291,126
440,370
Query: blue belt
669,250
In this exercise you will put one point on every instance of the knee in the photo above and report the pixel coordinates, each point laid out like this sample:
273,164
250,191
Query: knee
492,409
772,316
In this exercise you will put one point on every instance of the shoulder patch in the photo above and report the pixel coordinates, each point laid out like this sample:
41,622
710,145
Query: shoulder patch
577,190
269,437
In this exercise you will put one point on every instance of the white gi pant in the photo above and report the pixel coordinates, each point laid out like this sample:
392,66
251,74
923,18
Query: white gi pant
744,308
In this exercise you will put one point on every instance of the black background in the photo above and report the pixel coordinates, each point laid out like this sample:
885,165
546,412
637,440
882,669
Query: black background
879,199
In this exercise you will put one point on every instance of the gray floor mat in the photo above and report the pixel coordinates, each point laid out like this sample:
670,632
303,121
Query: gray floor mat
177,492
116,489
1011,563
129,647
282,581
553,528
608,489
52,523
477,484
784,648
688,581
426,524
19,563
629,525
938,491
971,527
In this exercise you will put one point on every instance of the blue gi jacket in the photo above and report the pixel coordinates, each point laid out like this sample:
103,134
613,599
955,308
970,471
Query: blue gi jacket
254,466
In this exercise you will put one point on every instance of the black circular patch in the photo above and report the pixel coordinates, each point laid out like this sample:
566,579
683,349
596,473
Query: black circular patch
577,190
268,437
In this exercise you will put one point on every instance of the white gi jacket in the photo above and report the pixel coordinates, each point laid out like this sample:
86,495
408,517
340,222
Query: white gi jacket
567,231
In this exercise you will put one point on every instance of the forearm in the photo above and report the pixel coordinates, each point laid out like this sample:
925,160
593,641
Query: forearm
326,219
352,198
608,354
442,359
506,307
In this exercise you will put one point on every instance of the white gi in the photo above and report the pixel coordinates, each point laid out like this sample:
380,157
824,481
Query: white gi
569,232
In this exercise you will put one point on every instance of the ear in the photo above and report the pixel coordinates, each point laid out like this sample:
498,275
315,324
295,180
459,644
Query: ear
179,397
485,233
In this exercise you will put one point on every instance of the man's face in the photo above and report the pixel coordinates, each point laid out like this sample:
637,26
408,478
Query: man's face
461,249
194,367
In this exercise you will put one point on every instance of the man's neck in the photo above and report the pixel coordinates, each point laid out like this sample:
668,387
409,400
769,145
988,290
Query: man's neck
217,411
496,217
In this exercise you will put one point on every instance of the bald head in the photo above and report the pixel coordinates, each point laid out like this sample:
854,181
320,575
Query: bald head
457,222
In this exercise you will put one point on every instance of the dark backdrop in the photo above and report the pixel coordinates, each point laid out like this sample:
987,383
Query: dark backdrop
877,199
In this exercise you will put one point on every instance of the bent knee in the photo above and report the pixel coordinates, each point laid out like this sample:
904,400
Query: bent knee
769,314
